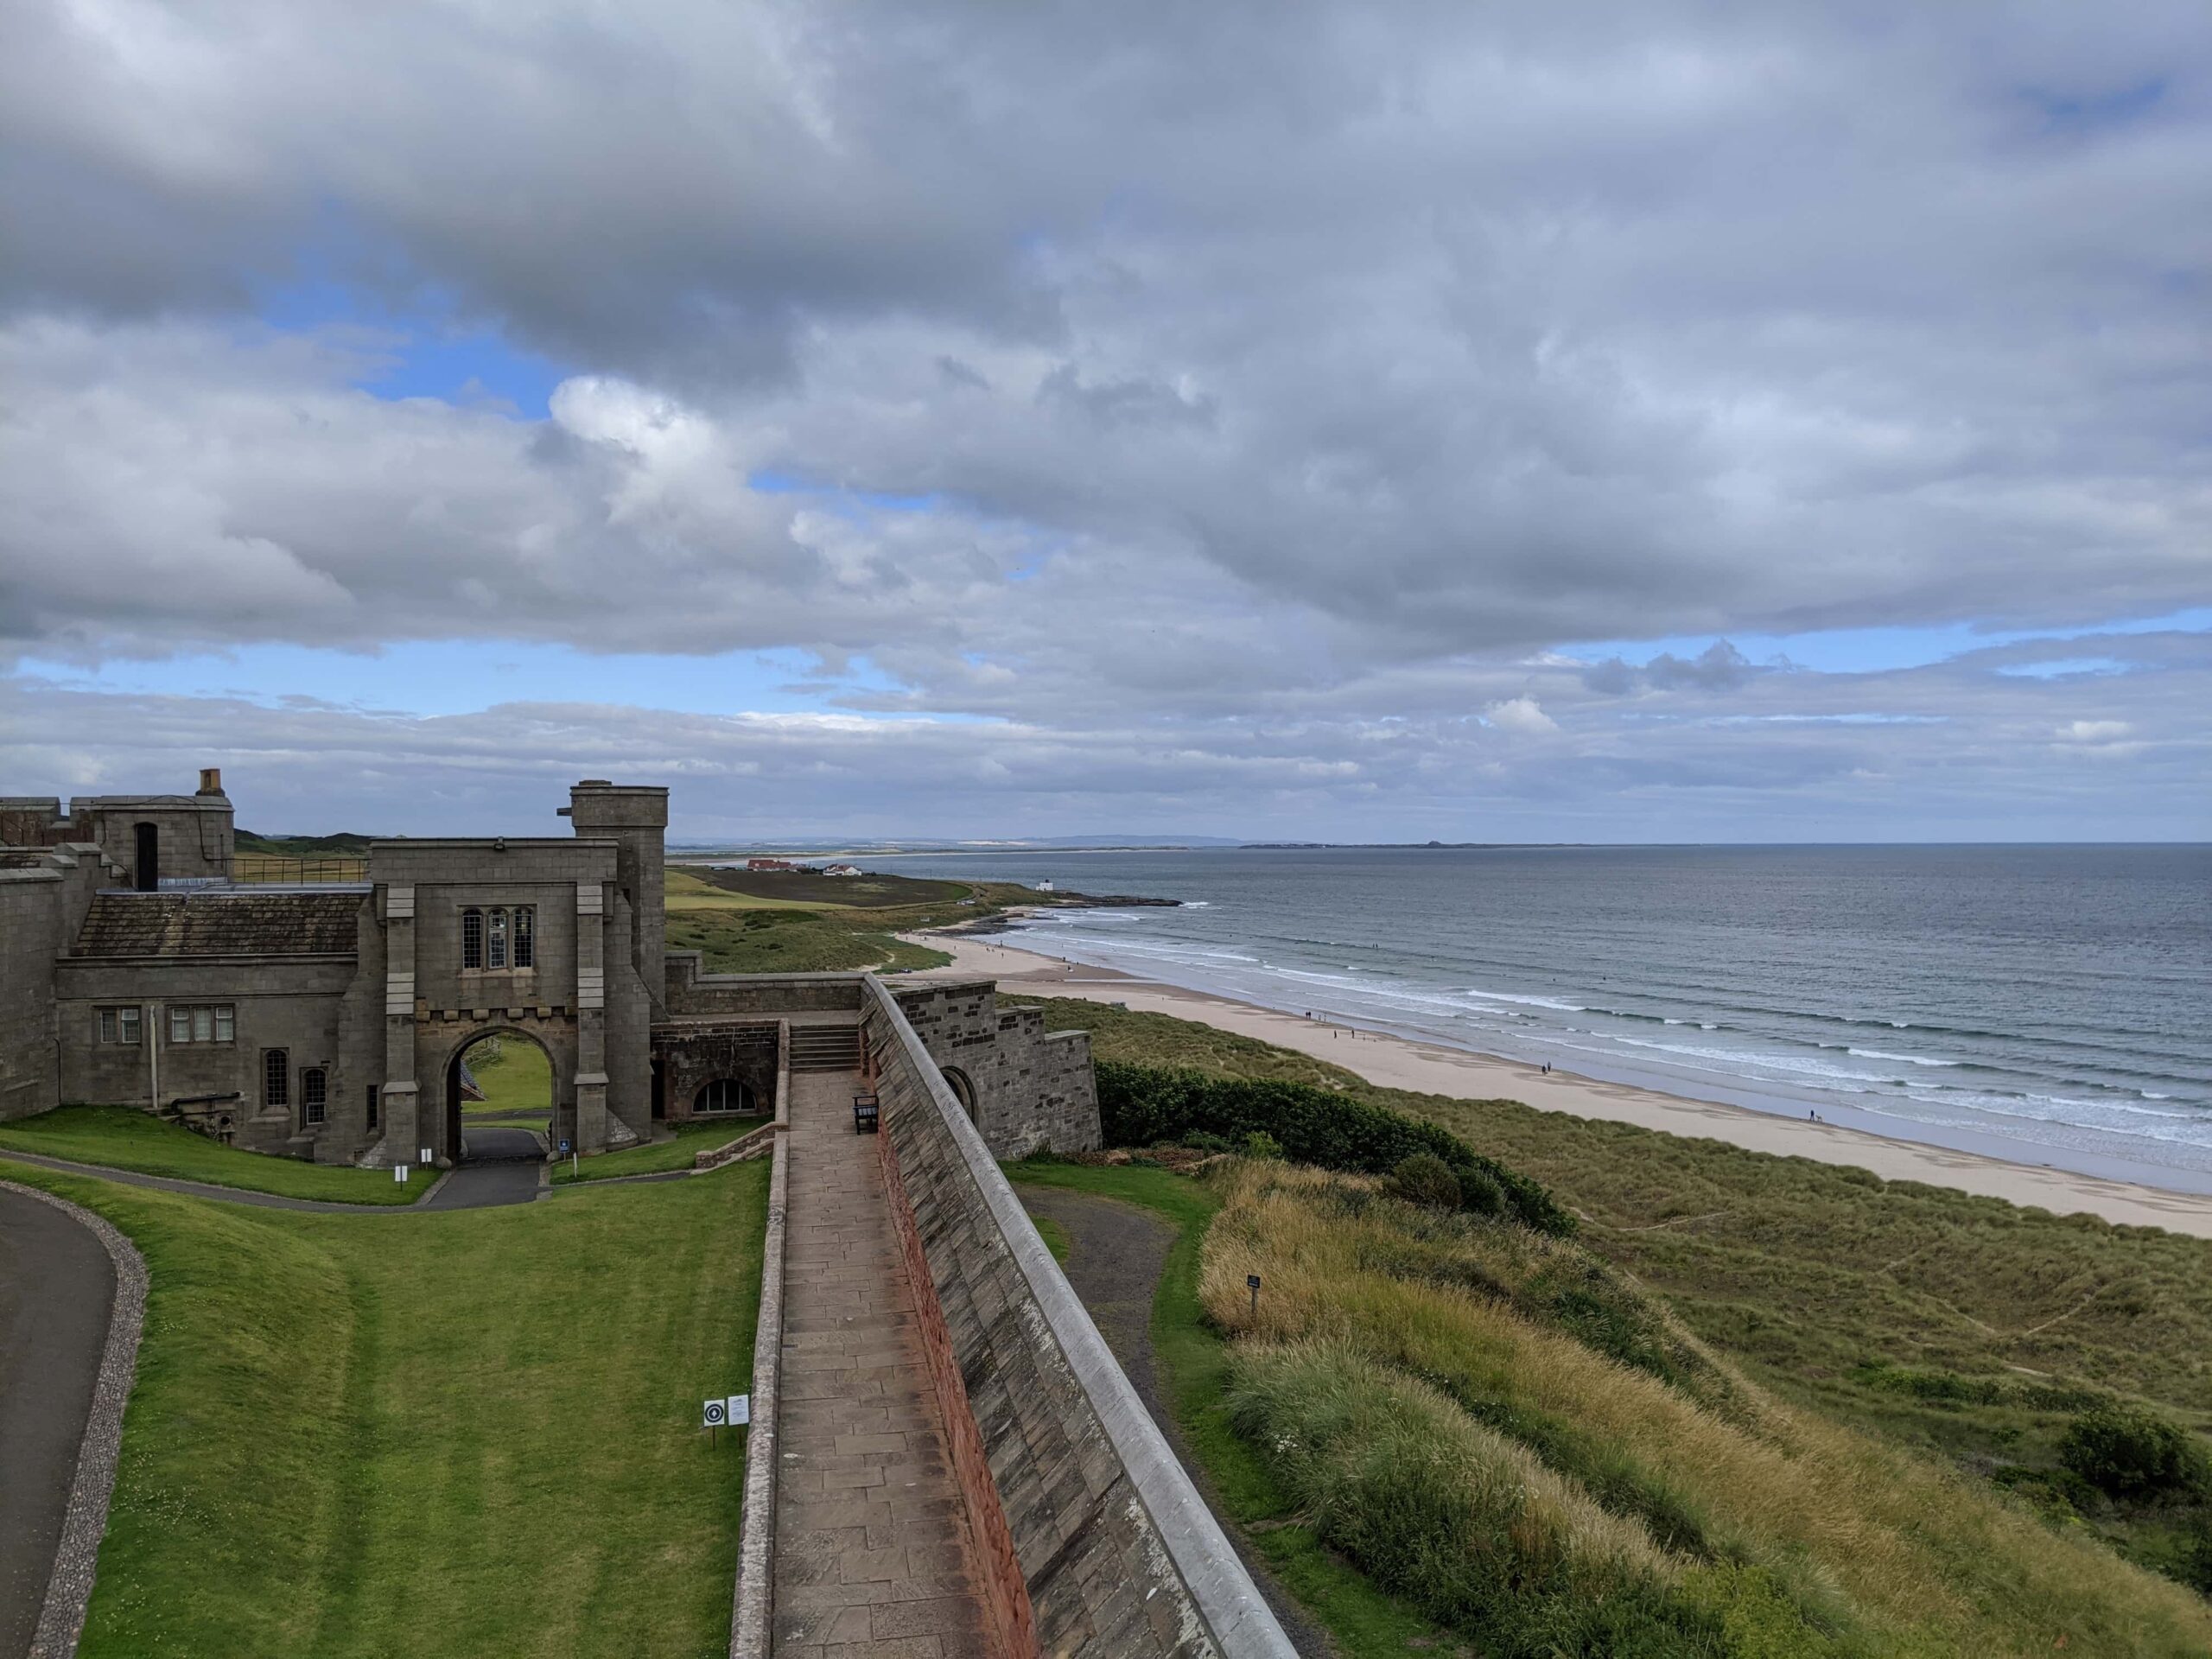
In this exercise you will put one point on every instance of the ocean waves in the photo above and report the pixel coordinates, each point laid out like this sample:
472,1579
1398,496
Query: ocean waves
1665,975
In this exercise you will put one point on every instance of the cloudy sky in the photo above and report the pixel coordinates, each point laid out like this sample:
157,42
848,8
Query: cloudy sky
1607,422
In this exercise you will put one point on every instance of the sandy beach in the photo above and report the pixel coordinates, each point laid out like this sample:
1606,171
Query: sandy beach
1398,1063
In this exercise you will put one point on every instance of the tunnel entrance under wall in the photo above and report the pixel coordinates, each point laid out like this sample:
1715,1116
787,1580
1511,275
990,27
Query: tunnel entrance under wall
501,1094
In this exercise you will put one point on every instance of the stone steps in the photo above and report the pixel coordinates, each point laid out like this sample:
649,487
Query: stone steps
825,1048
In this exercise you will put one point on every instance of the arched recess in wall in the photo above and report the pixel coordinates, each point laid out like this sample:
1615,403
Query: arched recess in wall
724,1095
963,1089
146,839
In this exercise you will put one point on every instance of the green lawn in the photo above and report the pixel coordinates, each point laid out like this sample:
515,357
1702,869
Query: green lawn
1193,1365
691,1140
121,1137
463,1433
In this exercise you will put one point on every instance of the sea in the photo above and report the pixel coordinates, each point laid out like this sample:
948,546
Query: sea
2045,1004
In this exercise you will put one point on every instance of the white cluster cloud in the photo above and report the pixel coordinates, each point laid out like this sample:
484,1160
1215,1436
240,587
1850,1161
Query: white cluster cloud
1272,387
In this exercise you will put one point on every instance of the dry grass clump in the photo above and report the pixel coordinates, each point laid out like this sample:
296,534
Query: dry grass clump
1476,1528
1787,1528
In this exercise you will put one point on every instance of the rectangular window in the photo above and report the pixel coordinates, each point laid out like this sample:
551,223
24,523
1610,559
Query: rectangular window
210,1022
374,1096
472,938
496,953
276,1077
314,1084
525,939
119,1027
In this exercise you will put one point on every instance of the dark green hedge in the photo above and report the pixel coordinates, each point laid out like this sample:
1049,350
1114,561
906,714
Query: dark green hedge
1144,1105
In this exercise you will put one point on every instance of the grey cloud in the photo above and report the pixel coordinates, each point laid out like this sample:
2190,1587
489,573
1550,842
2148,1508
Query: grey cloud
1466,330
1719,667
1951,750
1268,377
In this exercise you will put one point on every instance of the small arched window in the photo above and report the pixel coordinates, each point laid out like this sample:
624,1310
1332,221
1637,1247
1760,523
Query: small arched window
495,949
314,1095
472,938
724,1095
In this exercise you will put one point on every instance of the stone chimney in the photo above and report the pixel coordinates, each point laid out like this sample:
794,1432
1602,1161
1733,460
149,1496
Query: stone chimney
211,780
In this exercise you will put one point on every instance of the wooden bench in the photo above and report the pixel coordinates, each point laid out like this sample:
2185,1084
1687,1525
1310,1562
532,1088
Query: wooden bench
867,1113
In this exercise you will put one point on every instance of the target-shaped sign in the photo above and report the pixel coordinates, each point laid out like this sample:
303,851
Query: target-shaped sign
715,1413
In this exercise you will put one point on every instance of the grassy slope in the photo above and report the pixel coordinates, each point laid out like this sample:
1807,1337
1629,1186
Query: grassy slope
1673,1484
516,1082
1193,1363
1826,1282
691,1140
120,1137
744,924
363,1447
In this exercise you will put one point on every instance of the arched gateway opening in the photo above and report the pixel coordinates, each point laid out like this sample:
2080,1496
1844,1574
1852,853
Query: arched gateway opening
499,1098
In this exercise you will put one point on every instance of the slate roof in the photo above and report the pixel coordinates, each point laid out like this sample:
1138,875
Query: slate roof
220,924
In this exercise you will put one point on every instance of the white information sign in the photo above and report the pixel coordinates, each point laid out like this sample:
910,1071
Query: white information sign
399,1173
740,1409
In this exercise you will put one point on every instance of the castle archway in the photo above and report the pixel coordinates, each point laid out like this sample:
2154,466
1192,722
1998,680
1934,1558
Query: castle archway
963,1089
502,1091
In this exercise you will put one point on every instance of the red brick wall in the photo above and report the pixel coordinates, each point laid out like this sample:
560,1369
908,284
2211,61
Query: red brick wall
1004,1591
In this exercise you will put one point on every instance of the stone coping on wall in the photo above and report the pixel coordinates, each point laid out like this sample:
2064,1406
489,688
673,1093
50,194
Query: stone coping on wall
752,1603
1200,1554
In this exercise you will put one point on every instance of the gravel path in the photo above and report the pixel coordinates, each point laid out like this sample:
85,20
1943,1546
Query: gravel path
72,1292
1117,1255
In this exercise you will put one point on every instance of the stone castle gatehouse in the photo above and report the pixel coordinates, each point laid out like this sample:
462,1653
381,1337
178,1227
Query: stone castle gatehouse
321,1008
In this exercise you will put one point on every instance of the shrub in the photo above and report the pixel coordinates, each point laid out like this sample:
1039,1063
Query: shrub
1259,1144
1204,1142
2194,1568
2131,1453
1479,1194
1141,1105
1427,1180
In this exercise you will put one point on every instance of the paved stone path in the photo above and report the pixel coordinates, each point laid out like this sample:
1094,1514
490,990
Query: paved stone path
501,1167
872,1554
56,1289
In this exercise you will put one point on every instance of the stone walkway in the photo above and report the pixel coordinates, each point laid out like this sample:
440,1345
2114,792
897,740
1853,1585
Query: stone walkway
872,1554
56,1287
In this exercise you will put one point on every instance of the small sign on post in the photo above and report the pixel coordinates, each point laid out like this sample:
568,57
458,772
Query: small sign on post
1252,1284
741,1410
430,1156
712,1414
399,1173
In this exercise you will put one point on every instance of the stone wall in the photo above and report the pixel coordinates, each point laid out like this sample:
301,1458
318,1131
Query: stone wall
690,989
691,1056
192,833
1105,1540
1028,1090
34,913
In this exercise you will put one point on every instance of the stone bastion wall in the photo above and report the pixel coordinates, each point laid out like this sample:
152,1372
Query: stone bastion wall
1096,1542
